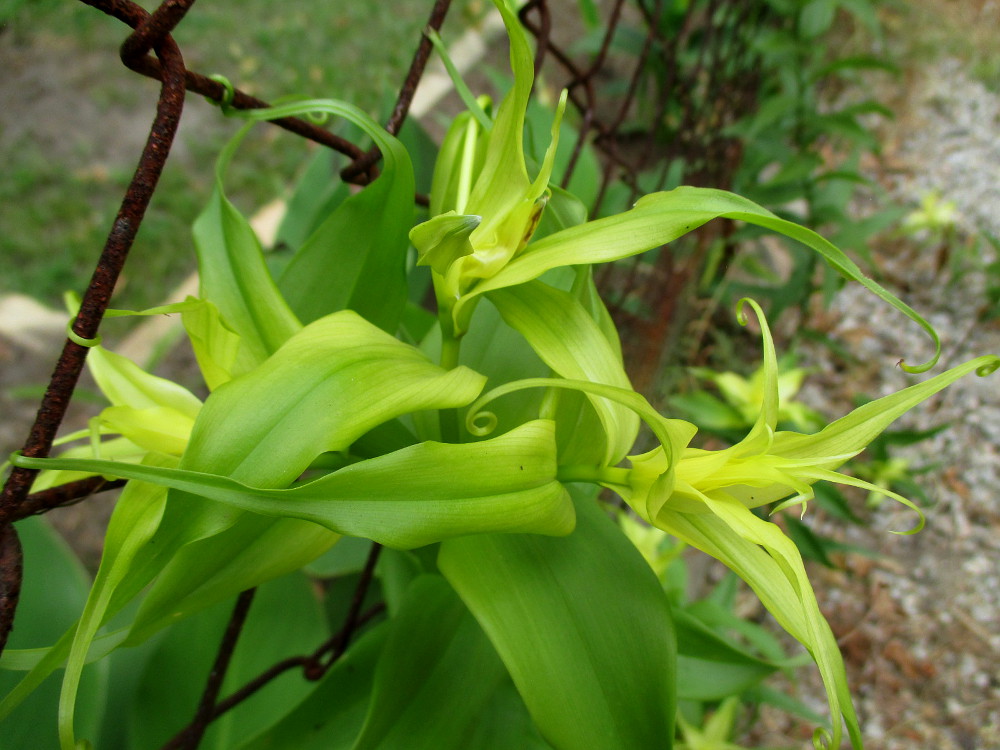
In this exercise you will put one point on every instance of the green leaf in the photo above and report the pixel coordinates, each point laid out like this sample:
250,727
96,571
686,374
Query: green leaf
710,667
347,556
207,570
220,351
126,384
317,194
433,695
332,715
331,383
415,496
568,340
582,625
233,274
52,593
174,678
660,218
136,517
816,17
356,259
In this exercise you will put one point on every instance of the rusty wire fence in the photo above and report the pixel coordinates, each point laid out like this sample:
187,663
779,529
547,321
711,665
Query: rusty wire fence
649,91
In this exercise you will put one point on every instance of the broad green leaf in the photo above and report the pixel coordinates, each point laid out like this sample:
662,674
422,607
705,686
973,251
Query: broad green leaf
126,384
356,259
345,557
505,723
255,549
169,691
233,274
332,382
568,340
316,196
581,624
656,220
396,570
158,429
431,696
136,517
220,350
333,366
332,715
329,384
415,496
710,667
53,591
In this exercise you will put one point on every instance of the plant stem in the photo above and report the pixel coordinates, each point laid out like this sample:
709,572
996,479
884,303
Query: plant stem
594,474
450,348
190,736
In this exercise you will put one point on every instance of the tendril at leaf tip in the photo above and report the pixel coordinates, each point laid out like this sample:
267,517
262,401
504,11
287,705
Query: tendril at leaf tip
80,340
917,369
228,93
989,367
481,423
741,313
916,529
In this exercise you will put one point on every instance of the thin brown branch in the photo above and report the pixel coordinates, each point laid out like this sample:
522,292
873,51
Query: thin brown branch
190,737
363,163
11,561
313,665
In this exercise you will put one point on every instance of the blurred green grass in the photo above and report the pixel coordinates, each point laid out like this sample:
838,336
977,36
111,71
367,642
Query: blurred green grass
65,173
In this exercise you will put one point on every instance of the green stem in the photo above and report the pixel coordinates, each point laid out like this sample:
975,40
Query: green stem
450,431
450,347
594,474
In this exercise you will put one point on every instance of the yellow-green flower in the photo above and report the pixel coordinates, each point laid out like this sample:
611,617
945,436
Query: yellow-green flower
484,206
705,499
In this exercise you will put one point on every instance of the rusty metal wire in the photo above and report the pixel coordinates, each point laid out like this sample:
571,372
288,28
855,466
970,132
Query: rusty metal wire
151,33
686,81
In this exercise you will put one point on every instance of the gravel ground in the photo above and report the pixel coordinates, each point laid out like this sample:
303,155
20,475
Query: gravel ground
919,625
